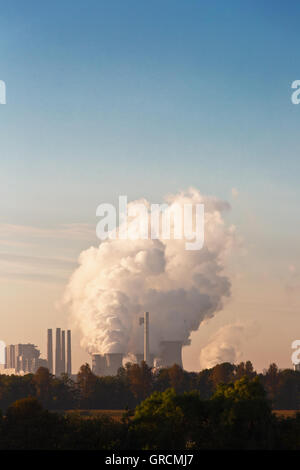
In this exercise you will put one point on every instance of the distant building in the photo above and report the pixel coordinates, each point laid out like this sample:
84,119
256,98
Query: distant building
297,367
23,358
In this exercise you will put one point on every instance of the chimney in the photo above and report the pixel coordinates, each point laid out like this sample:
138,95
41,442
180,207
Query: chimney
50,351
69,353
146,338
63,352
58,353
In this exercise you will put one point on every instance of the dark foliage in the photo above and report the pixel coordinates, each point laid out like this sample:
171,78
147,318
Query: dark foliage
237,416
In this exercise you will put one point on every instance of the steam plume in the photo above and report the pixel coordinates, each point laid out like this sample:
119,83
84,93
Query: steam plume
120,279
226,344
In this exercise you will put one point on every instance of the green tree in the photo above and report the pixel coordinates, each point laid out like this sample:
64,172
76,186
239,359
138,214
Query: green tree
157,423
242,416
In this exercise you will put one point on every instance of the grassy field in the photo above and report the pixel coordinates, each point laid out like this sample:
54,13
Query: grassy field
286,413
117,414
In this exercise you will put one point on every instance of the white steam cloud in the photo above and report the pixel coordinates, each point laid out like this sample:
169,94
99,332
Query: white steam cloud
116,282
226,344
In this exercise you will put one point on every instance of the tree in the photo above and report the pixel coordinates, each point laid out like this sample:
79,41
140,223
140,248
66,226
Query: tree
86,382
29,426
245,369
242,416
43,384
176,378
140,380
271,381
157,423
222,373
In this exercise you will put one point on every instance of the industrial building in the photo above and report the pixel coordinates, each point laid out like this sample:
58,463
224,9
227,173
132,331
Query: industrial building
170,353
23,359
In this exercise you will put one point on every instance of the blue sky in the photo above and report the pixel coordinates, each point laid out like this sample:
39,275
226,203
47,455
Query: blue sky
147,97
198,92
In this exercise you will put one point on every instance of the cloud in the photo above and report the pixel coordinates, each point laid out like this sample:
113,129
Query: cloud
15,266
64,231
17,241
38,277
120,279
16,259
226,345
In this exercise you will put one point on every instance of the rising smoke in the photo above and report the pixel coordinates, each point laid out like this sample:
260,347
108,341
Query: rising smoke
119,280
226,344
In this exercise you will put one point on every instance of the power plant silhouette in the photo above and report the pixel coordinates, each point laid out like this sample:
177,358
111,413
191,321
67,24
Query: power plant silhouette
170,353
23,359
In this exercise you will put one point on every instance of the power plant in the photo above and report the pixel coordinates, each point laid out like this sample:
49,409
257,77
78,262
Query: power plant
23,359
170,353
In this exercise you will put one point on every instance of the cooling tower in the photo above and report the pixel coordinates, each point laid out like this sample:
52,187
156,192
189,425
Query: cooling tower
106,364
113,363
98,364
170,353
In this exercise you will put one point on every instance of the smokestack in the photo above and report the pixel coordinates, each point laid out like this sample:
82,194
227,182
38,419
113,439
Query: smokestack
170,353
58,353
50,351
146,338
69,353
63,352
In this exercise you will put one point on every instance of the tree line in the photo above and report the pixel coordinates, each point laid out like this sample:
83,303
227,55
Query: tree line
237,416
135,382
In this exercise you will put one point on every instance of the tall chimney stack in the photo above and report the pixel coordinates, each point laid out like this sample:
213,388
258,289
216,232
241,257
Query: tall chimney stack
69,354
50,351
146,338
58,353
63,352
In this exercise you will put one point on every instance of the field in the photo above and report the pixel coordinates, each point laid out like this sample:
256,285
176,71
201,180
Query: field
116,415
286,413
